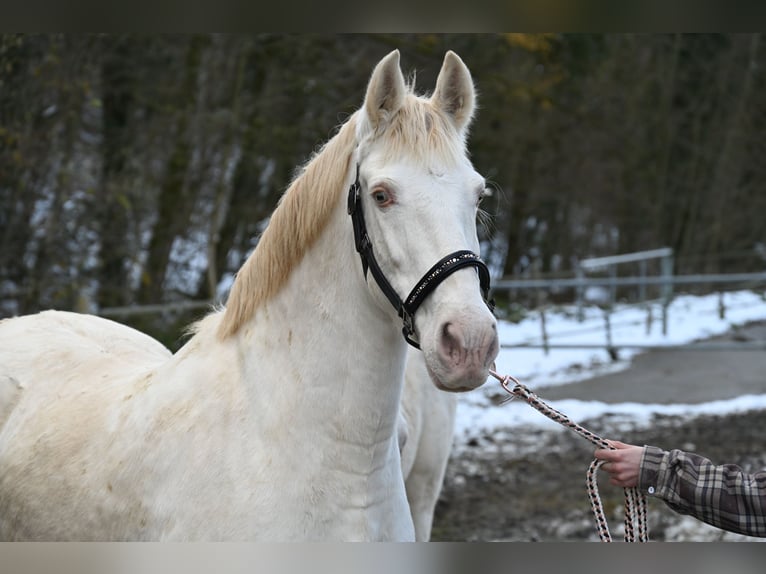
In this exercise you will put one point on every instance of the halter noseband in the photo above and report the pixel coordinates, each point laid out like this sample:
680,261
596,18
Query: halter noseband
427,284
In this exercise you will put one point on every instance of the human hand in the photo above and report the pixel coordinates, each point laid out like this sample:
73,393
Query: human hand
623,464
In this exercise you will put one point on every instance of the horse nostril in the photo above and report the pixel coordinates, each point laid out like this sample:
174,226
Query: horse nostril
452,343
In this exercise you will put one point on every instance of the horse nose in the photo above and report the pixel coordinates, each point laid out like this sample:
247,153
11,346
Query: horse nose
468,352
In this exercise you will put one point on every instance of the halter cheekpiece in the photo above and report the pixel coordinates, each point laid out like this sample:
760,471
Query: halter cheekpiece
427,284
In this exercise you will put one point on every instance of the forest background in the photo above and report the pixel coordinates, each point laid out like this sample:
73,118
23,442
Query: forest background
141,169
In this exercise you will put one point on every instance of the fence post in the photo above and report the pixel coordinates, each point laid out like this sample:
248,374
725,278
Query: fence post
543,325
667,289
649,318
721,306
608,324
580,291
642,286
542,299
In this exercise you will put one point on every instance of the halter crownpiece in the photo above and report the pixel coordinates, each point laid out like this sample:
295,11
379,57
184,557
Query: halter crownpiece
427,284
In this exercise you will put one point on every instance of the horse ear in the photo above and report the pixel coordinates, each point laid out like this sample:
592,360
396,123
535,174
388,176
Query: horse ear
386,90
454,91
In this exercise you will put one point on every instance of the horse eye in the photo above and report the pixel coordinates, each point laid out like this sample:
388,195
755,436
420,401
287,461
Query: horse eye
382,197
486,192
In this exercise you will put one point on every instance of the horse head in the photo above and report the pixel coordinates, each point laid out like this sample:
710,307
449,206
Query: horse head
419,196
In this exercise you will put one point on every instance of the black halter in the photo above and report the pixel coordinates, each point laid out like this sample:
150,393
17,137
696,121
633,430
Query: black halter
433,277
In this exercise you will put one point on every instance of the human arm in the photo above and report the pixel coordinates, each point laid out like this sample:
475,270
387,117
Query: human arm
722,495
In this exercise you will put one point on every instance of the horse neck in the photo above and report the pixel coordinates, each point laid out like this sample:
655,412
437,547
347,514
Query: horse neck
337,355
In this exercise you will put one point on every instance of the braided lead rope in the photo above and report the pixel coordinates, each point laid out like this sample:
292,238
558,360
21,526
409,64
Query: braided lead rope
595,501
630,514
641,515
635,502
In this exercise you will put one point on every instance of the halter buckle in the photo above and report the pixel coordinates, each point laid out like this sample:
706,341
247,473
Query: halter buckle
408,327
353,193
353,197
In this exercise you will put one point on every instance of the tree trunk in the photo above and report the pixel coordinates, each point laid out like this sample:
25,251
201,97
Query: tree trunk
175,201
117,76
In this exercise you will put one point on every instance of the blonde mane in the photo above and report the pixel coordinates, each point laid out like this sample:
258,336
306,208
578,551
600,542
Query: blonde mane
418,130
296,223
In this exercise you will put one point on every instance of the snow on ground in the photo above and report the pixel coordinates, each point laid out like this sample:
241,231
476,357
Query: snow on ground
690,318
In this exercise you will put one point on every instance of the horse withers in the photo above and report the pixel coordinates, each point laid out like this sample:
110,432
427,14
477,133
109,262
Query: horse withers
277,420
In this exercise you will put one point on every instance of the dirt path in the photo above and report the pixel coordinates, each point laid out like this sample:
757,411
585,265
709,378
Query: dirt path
499,491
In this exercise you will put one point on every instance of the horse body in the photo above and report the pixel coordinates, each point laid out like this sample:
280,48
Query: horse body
213,445
277,420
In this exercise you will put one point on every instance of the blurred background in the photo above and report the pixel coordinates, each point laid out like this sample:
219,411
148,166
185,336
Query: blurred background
139,170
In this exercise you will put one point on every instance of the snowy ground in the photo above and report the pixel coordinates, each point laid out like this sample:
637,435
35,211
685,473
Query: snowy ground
690,318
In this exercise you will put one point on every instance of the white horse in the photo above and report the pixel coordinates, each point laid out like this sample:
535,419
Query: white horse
426,429
278,419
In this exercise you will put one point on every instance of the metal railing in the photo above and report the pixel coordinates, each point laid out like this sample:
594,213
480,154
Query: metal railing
575,282
665,280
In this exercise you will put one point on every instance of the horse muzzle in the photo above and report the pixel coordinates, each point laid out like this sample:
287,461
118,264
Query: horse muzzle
461,350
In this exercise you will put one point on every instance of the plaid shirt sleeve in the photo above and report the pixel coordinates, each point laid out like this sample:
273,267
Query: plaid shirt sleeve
723,496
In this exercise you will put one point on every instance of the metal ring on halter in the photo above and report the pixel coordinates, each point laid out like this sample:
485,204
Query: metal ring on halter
427,284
